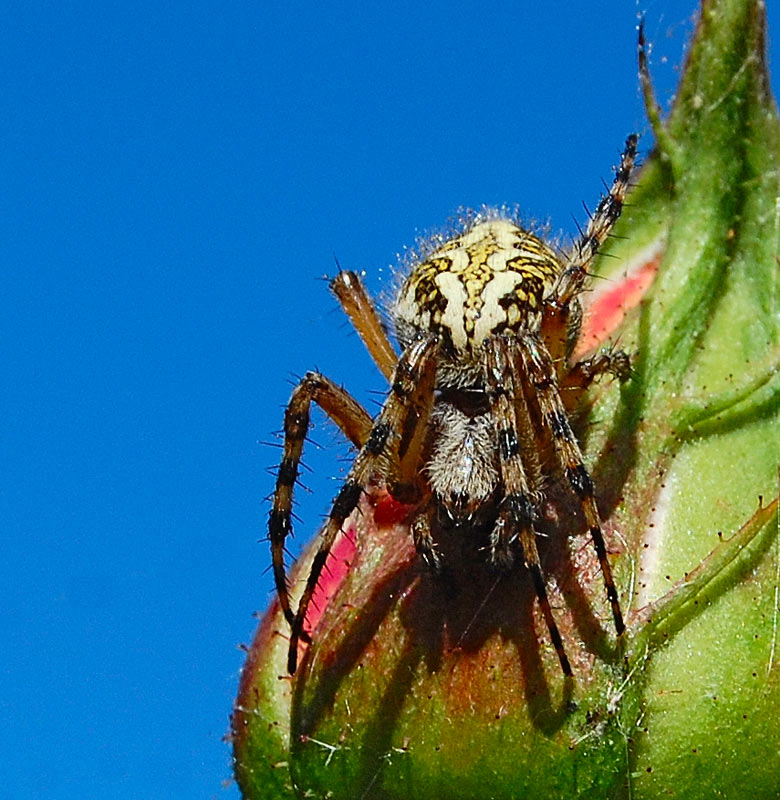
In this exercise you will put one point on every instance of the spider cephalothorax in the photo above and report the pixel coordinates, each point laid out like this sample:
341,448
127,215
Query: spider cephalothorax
475,416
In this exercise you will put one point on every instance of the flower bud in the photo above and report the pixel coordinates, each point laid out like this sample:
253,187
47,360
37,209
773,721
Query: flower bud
446,685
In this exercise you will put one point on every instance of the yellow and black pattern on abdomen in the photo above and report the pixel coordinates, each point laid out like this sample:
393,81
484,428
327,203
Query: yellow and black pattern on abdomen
494,277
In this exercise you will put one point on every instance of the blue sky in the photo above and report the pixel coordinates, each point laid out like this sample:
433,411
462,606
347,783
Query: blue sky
176,179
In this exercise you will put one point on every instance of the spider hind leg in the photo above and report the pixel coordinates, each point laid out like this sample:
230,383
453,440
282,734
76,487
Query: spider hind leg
540,368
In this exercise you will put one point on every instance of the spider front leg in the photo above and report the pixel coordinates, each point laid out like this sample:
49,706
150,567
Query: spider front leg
562,315
380,450
355,423
517,511
541,371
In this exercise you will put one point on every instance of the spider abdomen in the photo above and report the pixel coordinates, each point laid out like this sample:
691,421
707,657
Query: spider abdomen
493,277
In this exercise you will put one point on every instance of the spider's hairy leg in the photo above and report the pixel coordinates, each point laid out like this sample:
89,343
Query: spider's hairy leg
539,366
577,380
355,423
360,309
375,453
517,512
417,384
562,317
571,280
408,484
423,538
529,444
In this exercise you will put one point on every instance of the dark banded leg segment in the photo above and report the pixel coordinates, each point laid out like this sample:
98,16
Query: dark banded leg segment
602,221
583,373
562,315
378,447
517,512
407,484
418,386
355,423
538,364
423,538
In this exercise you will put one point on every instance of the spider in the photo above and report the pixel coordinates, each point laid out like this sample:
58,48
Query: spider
486,324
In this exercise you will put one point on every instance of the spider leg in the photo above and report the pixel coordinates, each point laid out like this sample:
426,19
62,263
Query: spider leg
355,423
571,280
418,386
610,362
528,437
539,366
408,485
423,538
517,512
376,449
357,305
562,314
